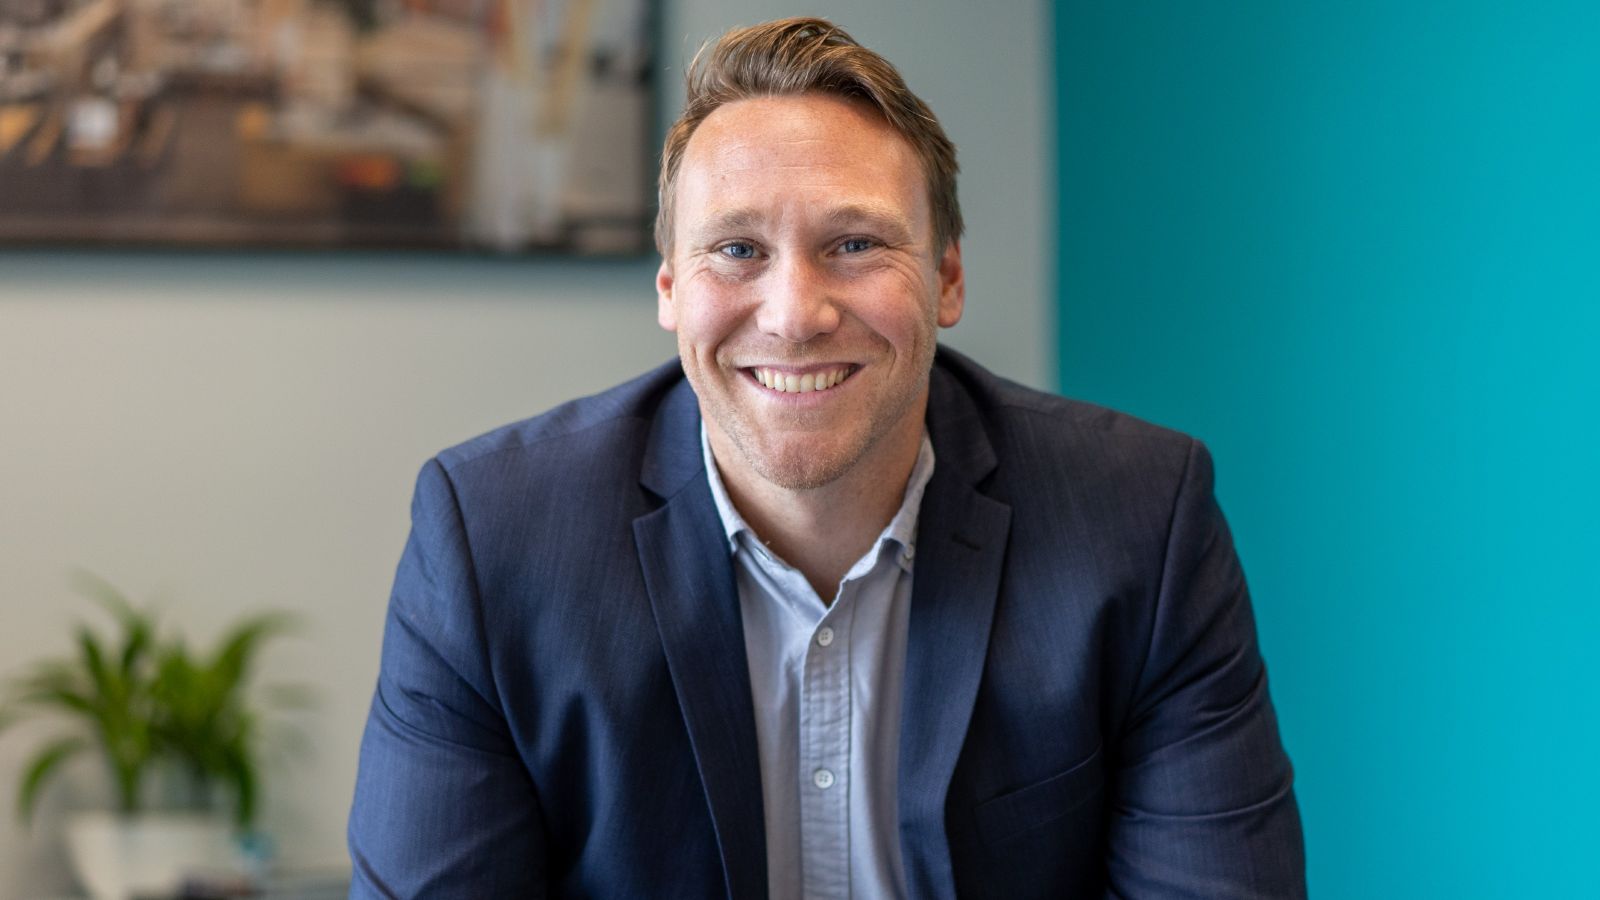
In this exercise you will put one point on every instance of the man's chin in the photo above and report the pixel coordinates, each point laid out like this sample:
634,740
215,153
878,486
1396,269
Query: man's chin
802,478
804,468
797,464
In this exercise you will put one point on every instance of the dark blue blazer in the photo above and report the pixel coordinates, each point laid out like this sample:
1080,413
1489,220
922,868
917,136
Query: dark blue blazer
564,705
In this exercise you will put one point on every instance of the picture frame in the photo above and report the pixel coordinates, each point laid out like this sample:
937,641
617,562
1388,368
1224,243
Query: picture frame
506,126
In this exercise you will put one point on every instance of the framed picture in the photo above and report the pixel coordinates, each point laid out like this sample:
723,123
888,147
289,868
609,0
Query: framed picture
503,125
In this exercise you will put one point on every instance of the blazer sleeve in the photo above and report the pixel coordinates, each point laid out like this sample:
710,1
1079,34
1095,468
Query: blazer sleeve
1204,803
443,804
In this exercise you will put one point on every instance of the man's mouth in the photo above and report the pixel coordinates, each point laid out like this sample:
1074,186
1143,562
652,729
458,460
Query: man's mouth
801,383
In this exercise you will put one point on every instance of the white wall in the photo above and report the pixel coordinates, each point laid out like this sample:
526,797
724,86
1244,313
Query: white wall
231,432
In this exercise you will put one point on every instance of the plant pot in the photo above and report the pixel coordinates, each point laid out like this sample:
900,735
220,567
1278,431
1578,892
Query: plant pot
119,857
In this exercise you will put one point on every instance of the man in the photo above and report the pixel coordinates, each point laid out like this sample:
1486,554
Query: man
819,610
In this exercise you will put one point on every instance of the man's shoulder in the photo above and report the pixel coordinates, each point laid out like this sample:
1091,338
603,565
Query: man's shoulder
592,424
1073,474
1014,413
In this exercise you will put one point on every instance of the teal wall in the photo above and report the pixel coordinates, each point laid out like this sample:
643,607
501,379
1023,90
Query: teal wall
1355,247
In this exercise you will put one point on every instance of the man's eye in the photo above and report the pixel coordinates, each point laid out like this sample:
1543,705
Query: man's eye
738,251
856,245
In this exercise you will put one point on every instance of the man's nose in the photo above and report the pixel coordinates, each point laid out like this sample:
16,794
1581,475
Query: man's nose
797,302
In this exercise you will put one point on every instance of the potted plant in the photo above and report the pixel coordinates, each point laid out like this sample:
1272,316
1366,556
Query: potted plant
151,707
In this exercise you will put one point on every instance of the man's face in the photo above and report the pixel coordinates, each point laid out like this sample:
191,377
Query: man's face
804,287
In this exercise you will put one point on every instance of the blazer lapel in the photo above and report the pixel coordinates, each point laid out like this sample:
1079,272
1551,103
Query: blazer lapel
961,544
689,575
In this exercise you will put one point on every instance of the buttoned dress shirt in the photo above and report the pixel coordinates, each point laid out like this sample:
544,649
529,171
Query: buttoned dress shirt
826,683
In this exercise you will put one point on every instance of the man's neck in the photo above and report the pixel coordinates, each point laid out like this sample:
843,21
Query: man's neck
823,531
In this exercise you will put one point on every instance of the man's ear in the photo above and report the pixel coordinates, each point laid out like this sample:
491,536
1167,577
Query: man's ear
666,308
952,285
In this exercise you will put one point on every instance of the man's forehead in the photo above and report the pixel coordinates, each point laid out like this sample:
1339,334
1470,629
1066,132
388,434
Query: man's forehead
742,130
752,161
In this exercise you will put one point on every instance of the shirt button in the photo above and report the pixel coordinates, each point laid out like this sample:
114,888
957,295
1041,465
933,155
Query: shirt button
822,778
824,636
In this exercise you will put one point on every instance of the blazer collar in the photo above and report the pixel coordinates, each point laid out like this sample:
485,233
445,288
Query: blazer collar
689,576
961,544
672,451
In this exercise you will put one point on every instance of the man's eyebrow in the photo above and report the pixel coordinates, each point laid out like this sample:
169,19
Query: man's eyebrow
736,219
885,221
719,224
882,220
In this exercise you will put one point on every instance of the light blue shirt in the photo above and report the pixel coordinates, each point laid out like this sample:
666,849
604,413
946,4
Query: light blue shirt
826,680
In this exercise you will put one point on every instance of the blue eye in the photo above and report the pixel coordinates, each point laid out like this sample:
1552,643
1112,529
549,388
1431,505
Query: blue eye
738,251
856,245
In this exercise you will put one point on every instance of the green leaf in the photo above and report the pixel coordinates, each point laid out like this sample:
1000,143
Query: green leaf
51,675
94,662
239,646
41,767
138,627
240,774
134,646
128,771
63,699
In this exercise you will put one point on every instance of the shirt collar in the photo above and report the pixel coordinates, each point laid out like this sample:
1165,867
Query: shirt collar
901,529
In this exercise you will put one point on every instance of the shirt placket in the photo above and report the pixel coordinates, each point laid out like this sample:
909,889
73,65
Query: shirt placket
825,756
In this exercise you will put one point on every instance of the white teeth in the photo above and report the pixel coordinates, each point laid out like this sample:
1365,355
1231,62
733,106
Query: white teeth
799,384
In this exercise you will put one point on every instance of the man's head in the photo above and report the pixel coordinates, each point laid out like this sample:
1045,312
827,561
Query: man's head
796,56
806,267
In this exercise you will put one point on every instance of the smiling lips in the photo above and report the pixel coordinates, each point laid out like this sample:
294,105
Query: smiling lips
789,383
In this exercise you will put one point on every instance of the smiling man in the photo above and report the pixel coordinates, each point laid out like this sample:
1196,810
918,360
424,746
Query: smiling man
819,609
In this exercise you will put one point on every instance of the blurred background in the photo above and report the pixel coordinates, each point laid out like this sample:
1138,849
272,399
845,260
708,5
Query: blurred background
1351,246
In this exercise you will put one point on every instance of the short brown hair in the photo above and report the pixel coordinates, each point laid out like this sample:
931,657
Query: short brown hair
798,56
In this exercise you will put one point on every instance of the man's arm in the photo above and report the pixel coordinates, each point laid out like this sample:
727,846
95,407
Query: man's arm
1204,805
443,805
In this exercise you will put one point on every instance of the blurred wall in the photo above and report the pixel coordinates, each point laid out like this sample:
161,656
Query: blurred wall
1355,247
228,432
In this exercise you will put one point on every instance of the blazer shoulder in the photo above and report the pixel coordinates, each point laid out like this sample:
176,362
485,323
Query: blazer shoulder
1014,407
